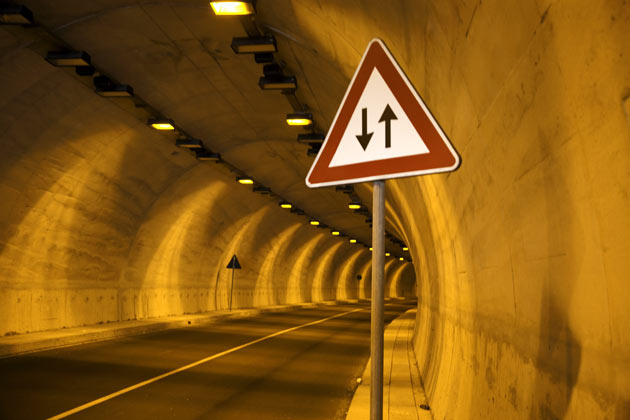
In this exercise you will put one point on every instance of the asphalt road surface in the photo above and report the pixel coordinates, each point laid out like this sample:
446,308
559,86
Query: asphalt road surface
301,364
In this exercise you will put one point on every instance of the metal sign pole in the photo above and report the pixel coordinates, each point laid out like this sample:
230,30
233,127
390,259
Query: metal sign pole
231,289
378,272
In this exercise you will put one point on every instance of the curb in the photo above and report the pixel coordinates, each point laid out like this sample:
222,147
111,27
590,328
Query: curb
48,340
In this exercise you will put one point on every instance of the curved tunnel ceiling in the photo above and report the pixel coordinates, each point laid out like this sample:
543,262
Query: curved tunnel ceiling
177,58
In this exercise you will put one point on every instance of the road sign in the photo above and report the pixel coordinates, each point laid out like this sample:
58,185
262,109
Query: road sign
234,263
382,130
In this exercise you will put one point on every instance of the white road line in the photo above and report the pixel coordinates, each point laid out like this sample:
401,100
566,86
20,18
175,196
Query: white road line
191,365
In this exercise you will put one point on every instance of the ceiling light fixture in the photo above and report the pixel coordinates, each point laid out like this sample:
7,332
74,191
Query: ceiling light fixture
205,155
299,118
162,124
311,138
245,180
254,45
189,143
115,91
261,189
401,259
314,222
85,70
405,248
68,58
272,70
263,58
278,83
106,87
353,241
232,8
346,189
387,254
335,233
285,205
354,205
14,14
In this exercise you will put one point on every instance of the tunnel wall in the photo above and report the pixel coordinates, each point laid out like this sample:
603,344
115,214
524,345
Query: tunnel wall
522,254
103,219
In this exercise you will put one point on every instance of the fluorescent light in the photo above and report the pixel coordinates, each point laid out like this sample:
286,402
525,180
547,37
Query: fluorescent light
232,8
13,14
162,124
115,91
353,241
189,143
401,259
315,222
244,180
299,118
405,248
205,155
387,254
254,45
354,206
285,205
278,83
311,138
371,249
335,233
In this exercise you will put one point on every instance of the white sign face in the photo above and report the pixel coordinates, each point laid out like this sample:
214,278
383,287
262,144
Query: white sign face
404,139
383,129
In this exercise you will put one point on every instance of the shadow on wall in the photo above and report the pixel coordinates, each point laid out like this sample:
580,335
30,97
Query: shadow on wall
560,354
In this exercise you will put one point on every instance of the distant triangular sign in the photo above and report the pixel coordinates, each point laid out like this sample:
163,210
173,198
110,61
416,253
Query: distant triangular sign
382,130
234,264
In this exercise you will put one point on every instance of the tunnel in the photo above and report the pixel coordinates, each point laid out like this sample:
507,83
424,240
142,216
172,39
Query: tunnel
516,263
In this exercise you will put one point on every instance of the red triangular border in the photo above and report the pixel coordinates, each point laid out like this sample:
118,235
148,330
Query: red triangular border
442,157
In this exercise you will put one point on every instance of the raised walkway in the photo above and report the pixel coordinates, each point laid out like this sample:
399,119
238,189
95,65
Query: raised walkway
403,393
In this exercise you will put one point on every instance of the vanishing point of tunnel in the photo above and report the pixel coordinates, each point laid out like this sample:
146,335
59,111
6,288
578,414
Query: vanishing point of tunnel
162,257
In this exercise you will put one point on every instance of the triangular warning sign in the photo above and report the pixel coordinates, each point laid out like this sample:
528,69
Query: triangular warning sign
383,129
234,263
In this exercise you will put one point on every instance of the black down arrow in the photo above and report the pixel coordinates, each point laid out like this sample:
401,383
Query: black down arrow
365,137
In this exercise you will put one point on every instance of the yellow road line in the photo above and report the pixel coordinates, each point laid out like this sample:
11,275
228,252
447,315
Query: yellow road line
191,365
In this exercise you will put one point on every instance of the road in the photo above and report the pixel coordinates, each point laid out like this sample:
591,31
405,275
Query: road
300,364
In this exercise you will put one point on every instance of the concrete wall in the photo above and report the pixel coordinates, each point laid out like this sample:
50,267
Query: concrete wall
103,219
522,255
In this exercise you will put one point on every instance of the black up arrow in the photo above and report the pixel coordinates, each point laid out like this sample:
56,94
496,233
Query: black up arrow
388,116
364,138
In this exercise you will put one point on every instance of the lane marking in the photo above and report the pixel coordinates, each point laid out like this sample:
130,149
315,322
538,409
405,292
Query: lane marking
192,365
